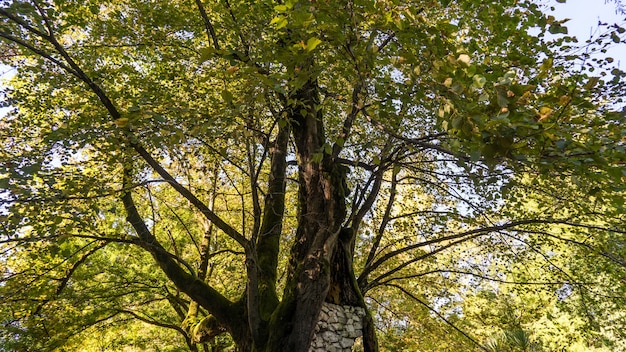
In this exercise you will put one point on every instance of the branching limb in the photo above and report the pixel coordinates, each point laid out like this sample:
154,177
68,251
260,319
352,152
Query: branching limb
77,264
485,277
377,280
420,141
466,234
195,288
152,321
385,220
412,296
373,194
210,31
132,140
244,42
610,256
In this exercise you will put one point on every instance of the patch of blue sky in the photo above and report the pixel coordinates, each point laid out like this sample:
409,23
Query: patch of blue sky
586,19
6,72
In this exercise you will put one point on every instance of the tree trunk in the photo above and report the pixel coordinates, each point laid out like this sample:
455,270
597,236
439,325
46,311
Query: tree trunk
320,215
320,268
321,304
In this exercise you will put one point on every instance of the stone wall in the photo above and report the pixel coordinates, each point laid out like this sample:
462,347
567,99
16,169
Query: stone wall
337,328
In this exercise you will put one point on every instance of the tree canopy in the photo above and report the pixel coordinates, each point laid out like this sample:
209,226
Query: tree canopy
205,175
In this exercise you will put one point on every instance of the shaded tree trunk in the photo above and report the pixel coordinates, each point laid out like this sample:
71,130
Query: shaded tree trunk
320,268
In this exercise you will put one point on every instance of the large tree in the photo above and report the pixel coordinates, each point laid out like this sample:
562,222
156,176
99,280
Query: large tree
273,156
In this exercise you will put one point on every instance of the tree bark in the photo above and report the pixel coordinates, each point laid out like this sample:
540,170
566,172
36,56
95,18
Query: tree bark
320,268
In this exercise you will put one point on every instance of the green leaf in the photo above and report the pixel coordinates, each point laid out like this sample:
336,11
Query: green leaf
206,53
31,169
317,157
279,22
227,96
591,82
502,99
615,37
4,183
312,43
478,81
557,29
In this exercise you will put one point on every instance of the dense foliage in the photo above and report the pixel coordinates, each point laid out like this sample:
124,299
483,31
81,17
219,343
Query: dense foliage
203,175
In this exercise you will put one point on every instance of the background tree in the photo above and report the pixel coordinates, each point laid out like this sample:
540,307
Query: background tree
270,157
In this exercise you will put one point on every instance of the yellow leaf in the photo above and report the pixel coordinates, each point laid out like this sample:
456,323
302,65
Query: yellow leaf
544,113
464,59
525,98
121,122
563,100
312,43
546,65
279,21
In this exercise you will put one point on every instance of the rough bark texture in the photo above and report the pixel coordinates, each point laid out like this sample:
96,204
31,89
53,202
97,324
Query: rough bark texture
321,258
320,215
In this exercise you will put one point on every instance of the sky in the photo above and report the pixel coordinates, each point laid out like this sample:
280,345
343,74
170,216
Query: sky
5,73
583,14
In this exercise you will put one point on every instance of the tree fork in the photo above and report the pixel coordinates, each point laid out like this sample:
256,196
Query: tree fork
321,258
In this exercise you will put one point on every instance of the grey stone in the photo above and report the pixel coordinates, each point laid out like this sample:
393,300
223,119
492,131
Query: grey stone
346,342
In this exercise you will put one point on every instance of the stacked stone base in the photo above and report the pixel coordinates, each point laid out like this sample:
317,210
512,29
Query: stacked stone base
337,329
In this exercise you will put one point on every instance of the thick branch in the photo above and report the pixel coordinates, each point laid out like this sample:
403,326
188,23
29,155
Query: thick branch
386,218
268,244
23,24
254,189
349,121
195,288
38,52
210,215
207,24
